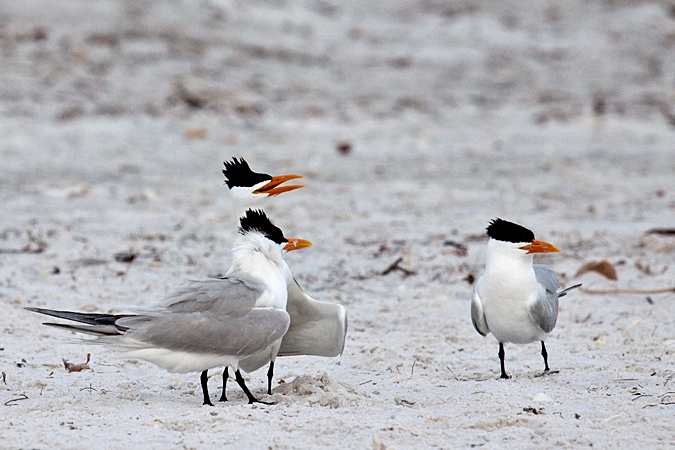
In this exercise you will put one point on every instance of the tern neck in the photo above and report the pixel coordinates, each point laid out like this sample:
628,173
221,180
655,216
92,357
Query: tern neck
243,198
506,257
259,258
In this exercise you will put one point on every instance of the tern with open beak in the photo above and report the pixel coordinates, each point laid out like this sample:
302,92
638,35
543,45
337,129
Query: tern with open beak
210,323
516,300
317,328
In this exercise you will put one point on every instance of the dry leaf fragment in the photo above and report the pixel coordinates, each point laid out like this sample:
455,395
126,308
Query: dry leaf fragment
196,133
77,367
601,267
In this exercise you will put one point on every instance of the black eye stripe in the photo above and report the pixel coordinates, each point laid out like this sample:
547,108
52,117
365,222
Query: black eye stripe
505,231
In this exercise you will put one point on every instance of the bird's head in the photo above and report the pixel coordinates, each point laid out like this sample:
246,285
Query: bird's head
511,235
257,226
250,188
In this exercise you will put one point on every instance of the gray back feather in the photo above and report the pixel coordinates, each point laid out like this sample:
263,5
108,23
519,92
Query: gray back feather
232,296
216,315
203,332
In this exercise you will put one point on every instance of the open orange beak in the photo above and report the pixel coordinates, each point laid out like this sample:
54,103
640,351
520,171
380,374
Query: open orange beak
296,244
273,188
540,247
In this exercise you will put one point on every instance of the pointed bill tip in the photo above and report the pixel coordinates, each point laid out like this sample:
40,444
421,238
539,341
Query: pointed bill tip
540,247
281,189
296,244
273,188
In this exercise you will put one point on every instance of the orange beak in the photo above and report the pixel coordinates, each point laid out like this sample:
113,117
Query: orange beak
271,188
540,247
296,244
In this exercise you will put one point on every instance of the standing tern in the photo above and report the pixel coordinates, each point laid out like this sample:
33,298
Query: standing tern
516,300
210,323
317,328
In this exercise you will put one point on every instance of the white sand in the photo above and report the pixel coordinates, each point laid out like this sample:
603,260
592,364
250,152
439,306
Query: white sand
457,112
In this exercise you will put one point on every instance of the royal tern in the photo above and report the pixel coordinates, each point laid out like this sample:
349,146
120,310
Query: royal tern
317,328
209,323
252,188
515,300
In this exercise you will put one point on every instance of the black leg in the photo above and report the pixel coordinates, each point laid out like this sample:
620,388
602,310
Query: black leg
501,361
242,385
204,379
270,375
223,398
544,353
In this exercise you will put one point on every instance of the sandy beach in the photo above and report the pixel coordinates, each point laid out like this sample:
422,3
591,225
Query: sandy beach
414,124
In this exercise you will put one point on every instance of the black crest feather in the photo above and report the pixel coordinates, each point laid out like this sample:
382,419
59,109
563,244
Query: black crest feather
257,221
502,230
238,173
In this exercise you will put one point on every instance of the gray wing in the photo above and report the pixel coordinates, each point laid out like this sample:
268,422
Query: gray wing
544,311
477,314
232,296
205,332
215,315
317,328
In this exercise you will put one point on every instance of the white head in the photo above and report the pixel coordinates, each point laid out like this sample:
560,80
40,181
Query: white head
250,189
512,242
258,247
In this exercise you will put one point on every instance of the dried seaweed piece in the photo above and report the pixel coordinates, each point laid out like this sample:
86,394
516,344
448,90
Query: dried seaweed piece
628,291
125,257
77,367
11,402
662,231
602,267
395,266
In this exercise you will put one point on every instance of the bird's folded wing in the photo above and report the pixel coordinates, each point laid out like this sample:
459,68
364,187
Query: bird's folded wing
317,328
231,296
255,362
477,315
546,277
544,310
204,332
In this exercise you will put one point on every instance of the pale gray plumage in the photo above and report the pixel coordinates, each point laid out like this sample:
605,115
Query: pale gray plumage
544,312
213,316
317,328
478,317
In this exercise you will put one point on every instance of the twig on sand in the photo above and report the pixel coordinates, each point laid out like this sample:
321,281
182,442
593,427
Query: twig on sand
395,266
35,245
662,231
628,291
9,402
668,398
412,370
453,373
88,388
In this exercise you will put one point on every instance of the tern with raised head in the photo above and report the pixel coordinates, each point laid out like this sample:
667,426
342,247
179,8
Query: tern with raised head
209,323
317,328
516,300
